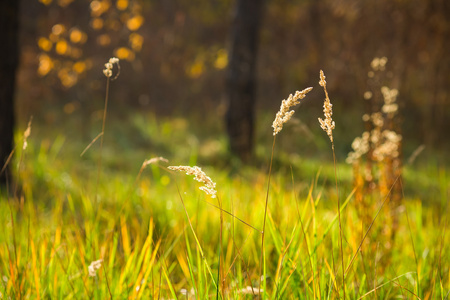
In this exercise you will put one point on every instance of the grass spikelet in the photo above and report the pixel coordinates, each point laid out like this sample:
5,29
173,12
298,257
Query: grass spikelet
26,134
200,176
328,124
284,114
94,266
107,71
153,160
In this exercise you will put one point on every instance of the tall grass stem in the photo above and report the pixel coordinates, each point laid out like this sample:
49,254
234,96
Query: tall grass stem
262,259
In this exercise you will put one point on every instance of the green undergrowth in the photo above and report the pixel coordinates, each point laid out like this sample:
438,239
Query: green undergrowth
60,220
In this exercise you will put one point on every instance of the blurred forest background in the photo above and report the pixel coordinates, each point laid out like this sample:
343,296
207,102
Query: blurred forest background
174,56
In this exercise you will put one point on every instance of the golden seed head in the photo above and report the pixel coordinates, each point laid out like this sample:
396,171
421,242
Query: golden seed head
379,63
322,81
389,147
284,114
360,146
154,160
327,124
200,176
94,266
107,71
368,95
26,134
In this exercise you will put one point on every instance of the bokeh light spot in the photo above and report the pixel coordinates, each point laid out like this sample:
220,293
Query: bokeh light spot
165,180
124,53
45,44
58,29
196,69
79,67
77,36
69,108
62,47
103,40
135,23
221,60
136,41
122,4
97,23
45,64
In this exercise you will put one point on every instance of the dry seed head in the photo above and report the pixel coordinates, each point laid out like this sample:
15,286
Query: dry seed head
390,109
248,290
94,266
107,71
328,124
390,97
322,81
360,146
389,147
375,136
368,95
365,117
154,160
26,134
377,119
284,115
379,63
200,176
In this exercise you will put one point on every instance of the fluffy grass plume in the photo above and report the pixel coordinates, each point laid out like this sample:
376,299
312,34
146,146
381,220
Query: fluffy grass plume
284,114
107,71
328,124
200,176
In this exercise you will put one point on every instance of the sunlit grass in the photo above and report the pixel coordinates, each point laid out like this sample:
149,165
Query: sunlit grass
139,227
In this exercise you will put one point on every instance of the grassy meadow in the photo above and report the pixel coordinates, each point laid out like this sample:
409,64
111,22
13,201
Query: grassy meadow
107,225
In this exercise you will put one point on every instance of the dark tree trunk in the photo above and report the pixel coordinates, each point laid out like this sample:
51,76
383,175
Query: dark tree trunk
9,32
241,77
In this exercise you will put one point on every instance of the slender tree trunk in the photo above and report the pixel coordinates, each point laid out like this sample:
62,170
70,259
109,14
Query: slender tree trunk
241,77
9,29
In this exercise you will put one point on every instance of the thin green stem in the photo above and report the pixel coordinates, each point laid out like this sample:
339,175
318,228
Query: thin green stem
262,260
304,235
340,223
102,135
220,253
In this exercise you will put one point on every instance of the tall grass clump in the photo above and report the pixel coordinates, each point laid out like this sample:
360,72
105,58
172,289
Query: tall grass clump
376,158
151,235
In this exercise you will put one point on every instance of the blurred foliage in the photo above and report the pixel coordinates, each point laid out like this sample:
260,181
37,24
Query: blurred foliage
174,56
